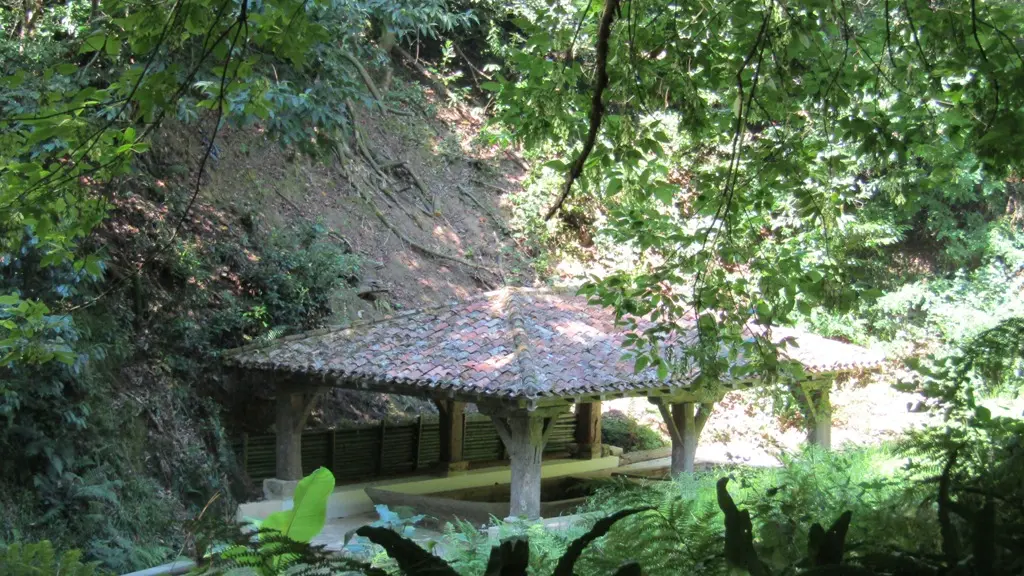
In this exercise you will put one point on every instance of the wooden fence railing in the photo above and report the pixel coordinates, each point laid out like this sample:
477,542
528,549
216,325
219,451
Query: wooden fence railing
385,449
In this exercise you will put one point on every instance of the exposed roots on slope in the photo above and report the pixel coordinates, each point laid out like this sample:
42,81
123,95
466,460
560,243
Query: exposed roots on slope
429,252
486,210
365,76
366,197
429,78
430,199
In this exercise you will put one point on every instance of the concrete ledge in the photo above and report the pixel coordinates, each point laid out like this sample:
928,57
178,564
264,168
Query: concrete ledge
351,499
522,527
274,489
176,568
645,455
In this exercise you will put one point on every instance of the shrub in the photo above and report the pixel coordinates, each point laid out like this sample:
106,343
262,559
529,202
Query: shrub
618,429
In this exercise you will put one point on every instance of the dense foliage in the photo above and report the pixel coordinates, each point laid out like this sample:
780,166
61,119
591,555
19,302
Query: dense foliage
116,292
769,162
618,429
852,166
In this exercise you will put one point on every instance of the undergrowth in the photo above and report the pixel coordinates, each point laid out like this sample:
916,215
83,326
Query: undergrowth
618,429
113,450
684,531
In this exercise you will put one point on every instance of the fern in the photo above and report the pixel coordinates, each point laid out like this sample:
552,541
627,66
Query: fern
40,559
679,534
268,552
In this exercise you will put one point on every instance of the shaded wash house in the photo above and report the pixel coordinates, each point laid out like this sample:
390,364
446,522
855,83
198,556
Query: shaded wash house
524,357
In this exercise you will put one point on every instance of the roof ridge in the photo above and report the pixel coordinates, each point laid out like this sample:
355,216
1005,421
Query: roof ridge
523,354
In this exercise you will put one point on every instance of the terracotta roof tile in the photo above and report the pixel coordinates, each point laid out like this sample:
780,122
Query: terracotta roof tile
513,342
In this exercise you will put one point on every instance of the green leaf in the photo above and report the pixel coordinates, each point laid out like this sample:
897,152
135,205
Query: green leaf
662,370
93,43
641,363
491,86
614,185
93,267
665,194
307,517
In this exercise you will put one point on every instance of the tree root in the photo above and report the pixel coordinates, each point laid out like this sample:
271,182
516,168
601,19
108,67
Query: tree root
440,87
365,152
472,68
428,196
361,142
494,187
364,75
330,233
518,161
497,221
415,245
372,87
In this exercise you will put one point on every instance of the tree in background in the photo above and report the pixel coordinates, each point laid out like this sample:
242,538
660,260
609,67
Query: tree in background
758,160
86,88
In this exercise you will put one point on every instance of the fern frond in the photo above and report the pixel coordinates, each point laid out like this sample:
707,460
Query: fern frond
40,559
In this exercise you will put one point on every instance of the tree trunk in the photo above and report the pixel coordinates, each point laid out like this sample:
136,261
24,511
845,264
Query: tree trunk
685,426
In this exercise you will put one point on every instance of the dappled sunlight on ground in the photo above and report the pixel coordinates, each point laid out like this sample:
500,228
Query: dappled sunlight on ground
743,429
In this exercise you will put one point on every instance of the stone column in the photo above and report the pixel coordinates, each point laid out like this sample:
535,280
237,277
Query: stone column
685,423
291,420
524,434
588,430
293,406
819,429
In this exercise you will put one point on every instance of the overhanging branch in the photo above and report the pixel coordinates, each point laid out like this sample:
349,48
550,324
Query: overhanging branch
596,105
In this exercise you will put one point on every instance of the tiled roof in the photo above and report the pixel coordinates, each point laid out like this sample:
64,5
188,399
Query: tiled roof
510,343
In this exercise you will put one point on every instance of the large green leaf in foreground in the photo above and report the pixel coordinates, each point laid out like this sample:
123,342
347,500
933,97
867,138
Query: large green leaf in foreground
307,517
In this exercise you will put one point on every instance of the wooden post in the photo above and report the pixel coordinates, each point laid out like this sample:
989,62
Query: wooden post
332,446
684,425
380,453
588,430
819,430
452,428
523,434
419,443
245,452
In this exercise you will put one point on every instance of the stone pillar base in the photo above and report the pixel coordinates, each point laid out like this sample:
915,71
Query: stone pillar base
450,467
275,489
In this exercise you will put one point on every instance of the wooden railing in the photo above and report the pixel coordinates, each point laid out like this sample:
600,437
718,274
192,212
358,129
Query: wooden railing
387,448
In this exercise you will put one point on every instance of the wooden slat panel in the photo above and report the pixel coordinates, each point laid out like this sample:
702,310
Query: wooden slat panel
358,450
